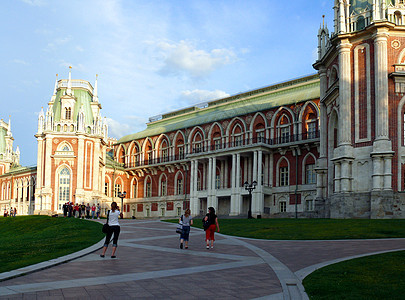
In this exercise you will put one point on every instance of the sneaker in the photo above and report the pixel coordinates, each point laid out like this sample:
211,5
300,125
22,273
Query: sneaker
208,247
181,245
212,247
186,247
113,256
101,255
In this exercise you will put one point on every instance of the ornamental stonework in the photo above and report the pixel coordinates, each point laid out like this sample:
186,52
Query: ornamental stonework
270,115
396,44
297,109
55,141
225,124
249,120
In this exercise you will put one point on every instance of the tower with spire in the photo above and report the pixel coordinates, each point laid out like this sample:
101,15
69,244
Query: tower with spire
8,157
362,86
72,145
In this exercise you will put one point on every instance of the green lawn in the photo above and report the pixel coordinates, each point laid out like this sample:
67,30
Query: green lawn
374,277
310,229
27,240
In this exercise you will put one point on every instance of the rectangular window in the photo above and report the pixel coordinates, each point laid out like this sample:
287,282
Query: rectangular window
179,186
165,155
309,205
117,189
106,188
238,140
163,188
197,147
148,189
310,174
311,130
217,181
181,152
283,176
285,134
283,206
260,136
198,183
178,211
217,144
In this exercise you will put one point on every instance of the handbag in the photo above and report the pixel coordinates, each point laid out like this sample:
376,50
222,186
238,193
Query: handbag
106,227
179,228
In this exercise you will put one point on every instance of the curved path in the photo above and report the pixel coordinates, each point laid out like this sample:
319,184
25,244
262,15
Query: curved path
151,265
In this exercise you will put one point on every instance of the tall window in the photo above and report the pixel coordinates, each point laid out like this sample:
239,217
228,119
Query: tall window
64,186
312,130
148,189
68,113
197,147
217,181
283,206
283,176
179,186
238,140
260,136
135,190
310,175
217,143
165,154
163,190
199,182
285,134
181,151
117,189
106,188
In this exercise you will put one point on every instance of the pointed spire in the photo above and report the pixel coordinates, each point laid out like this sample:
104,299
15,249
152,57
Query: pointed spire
95,94
69,87
54,89
9,125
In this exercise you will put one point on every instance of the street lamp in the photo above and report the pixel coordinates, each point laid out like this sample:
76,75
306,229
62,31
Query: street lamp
122,196
250,188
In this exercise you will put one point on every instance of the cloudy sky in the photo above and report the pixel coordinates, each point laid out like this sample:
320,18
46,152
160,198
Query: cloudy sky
152,57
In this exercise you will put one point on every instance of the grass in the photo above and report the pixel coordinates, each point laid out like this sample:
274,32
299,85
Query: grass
373,277
310,229
28,240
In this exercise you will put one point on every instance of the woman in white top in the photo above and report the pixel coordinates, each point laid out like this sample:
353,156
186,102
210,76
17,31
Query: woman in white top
114,228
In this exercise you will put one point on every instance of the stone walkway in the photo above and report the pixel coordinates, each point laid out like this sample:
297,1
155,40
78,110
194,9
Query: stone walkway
151,265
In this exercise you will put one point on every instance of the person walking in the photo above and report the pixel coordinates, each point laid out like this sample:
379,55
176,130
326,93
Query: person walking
186,220
212,219
82,210
11,212
115,229
88,209
98,209
93,211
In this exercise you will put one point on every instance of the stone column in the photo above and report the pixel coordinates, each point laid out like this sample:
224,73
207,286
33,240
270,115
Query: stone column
259,203
214,200
209,183
234,201
337,177
238,185
345,123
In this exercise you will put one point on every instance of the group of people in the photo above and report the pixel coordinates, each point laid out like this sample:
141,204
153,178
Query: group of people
186,220
81,211
12,213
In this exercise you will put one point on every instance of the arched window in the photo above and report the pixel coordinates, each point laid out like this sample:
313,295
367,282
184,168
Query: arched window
163,186
197,143
64,186
237,135
284,129
65,148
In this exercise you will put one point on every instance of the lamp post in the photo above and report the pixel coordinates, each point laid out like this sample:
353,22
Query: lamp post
122,196
250,188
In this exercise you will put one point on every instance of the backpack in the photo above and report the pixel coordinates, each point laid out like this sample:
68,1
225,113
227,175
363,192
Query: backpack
206,223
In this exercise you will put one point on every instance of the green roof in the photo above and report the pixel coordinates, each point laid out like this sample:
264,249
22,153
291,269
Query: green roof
286,93
82,97
18,170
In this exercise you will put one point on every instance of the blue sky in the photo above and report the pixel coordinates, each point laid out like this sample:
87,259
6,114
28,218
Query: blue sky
152,57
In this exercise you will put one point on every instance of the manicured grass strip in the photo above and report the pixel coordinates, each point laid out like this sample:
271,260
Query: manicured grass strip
28,240
310,229
374,277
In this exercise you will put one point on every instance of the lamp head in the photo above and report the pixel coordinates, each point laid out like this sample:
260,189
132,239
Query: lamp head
254,183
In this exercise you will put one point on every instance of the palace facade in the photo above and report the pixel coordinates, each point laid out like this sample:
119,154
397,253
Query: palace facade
326,145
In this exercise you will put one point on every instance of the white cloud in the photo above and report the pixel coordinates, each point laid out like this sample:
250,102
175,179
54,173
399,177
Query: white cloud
117,129
20,62
196,96
183,57
34,2
52,46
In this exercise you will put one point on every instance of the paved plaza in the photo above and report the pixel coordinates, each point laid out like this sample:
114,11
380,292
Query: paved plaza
149,264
